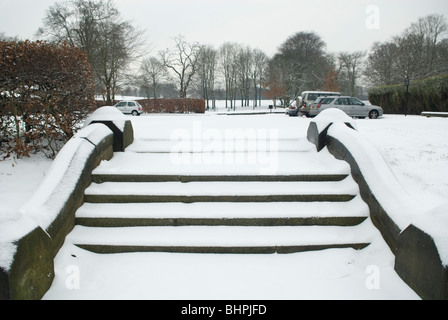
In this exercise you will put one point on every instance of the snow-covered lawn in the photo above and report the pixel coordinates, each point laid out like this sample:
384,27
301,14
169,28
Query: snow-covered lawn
19,179
414,147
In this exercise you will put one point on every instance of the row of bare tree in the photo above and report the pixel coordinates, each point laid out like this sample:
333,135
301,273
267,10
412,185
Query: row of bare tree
201,68
245,74
421,51
241,72
301,63
236,71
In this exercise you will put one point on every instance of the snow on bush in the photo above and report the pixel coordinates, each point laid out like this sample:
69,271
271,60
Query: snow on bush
46,91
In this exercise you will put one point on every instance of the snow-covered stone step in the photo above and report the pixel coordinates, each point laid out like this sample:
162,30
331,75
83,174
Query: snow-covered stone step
245,144
114,192
238,214
222,164
200,239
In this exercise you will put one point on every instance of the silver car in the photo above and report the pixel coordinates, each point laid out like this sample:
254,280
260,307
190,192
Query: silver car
130,107
308,98
351,106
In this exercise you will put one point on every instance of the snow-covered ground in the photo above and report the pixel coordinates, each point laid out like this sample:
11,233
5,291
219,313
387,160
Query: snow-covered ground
413,146
19,179
417,151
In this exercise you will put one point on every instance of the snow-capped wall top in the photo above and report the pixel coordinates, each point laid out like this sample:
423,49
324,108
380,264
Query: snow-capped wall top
51,196
332,115
105,114
401,207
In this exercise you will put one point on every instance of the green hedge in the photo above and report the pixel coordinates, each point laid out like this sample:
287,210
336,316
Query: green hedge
429,94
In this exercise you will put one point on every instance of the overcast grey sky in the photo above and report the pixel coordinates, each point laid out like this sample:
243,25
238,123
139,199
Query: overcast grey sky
345,25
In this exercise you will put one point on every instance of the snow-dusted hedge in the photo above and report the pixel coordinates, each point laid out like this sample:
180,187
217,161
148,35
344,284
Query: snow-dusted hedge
424,95
45,92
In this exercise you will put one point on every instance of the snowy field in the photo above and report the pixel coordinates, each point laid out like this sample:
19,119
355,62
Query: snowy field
414,147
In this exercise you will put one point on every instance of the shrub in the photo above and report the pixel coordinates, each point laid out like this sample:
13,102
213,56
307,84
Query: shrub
46,90
429,94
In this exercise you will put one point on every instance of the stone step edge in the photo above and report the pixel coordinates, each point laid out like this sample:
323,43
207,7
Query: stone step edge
101,178
353,208
290,249
267,222
300,237
109,198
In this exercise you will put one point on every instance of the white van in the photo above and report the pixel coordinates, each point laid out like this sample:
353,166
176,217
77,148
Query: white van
308,98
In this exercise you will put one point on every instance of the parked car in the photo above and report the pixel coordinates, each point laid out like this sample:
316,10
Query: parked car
130,107
292,109
308,98
351,106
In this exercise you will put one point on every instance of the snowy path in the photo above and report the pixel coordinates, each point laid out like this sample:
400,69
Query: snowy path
280,148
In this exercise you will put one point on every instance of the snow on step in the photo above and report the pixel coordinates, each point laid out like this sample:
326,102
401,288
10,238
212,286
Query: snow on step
348,213
354,208
258,163
347,186
234,145
220,239
281,194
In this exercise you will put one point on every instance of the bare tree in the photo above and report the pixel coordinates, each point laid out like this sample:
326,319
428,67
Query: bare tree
244,66
442,55
381,64
228,56
183,61
76,22
277,82
116,49
419,52
243,70
207,66
152,72
97,28
430,29
350,70
4,37
260,62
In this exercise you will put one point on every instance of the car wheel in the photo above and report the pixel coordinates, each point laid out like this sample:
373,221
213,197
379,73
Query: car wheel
374,114
134,113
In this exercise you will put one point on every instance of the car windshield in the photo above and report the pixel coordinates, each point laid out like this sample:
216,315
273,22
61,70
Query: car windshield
326,100
312,96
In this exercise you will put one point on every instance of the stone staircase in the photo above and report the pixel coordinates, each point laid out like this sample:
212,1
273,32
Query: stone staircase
139,202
